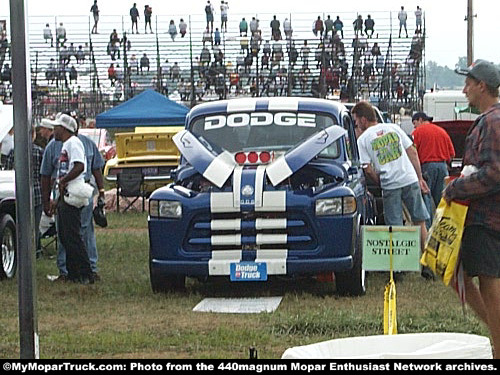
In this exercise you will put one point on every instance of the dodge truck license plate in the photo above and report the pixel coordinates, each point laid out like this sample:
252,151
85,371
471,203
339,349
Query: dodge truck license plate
248,271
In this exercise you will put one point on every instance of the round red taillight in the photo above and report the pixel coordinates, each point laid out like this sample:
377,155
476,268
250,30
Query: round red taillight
240,158
253,157
265,157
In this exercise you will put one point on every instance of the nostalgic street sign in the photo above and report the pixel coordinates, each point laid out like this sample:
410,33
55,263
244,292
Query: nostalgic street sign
405,248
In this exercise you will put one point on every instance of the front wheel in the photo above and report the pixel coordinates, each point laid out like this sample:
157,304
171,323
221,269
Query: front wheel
161,283
352,282
8,247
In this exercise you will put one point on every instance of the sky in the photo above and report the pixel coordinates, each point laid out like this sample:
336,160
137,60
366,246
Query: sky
445,24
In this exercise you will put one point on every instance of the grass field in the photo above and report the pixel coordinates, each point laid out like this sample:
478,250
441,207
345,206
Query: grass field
120,317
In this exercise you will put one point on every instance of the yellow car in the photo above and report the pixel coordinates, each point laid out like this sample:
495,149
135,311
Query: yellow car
149,151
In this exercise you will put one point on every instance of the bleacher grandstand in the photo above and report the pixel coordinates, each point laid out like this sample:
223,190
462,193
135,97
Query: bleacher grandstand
334,68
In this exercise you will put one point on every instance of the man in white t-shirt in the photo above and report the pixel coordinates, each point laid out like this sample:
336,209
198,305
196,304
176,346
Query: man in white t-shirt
389,158
71,170
418,20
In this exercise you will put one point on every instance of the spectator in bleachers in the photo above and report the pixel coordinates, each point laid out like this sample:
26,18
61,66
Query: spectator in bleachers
61,74
182,28
224,6
254,25
144,62
275,29
358,25
134,15
402,17
94,9
217,37
218,56
47,35
244,44
134,64
205,57
73,74
64,56
277,55
318,28
328,26
293,54
71,51
207,37
255,42
304,51
112,74
61,34
304,77
379,64
119,74
418,19
175,72
172,30
287,28
148,12
6,74
339,26
369,26
209,13
243,27
375,50
50,73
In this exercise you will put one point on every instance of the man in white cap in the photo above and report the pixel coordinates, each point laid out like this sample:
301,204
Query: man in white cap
45,132
72,166
480,249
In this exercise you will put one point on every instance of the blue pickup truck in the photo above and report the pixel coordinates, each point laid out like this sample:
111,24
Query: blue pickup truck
265,187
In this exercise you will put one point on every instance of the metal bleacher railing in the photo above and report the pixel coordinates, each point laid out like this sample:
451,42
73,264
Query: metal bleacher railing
196,68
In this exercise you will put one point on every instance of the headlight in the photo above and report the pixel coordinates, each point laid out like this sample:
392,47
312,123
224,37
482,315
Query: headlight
165,209
335,206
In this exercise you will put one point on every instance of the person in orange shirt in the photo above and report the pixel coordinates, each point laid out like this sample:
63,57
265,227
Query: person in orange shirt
435,150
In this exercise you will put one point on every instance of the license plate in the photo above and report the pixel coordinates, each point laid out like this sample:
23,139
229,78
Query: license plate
248,271
150,171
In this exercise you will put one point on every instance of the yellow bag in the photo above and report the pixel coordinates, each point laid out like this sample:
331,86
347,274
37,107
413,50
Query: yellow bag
442,245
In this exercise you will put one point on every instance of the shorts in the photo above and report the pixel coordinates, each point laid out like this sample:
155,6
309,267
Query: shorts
210,18
223,18
411,196
480,251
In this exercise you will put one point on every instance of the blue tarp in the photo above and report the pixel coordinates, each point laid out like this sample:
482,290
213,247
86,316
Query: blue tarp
149,108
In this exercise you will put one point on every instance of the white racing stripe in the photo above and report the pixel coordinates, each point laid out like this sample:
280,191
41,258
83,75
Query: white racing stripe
238,172
226,240
222,202
283,104
259,184
273,201
271,239
220,169
241,105
275,260
221,259
261,224
228,224
278,170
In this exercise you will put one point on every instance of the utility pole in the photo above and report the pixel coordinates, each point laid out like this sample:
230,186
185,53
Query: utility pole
470,33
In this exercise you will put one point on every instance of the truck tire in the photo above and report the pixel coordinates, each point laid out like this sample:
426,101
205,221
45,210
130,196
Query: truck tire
8,247
352,282
161,283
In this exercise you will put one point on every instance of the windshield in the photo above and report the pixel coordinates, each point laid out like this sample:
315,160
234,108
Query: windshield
270,131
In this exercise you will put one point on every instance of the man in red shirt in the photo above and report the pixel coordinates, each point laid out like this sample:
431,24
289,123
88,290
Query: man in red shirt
435,150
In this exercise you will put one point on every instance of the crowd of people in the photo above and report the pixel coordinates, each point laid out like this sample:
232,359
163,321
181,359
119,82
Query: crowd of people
321,64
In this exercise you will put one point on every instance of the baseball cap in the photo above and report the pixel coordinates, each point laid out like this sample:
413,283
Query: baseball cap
46,123
65,121
482,70
421,115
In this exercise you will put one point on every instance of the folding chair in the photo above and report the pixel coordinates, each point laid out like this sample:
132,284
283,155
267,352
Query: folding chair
48,233
130,184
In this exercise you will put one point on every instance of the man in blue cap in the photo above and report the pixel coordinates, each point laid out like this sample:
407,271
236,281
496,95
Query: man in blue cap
480,250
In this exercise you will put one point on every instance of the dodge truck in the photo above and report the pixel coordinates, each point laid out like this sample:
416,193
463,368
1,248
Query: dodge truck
264,187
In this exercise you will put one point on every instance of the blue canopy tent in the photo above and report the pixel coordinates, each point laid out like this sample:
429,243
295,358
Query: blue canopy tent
149,108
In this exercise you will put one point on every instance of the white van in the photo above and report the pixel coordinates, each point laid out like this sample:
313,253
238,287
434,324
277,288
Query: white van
444,105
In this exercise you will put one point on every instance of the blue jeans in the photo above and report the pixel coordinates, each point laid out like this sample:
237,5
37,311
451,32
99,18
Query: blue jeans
88,236
393,204
434,174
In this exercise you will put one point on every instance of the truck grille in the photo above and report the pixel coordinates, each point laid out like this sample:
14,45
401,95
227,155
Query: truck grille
250,231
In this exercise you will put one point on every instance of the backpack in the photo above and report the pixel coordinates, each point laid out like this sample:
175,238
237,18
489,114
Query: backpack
208,9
